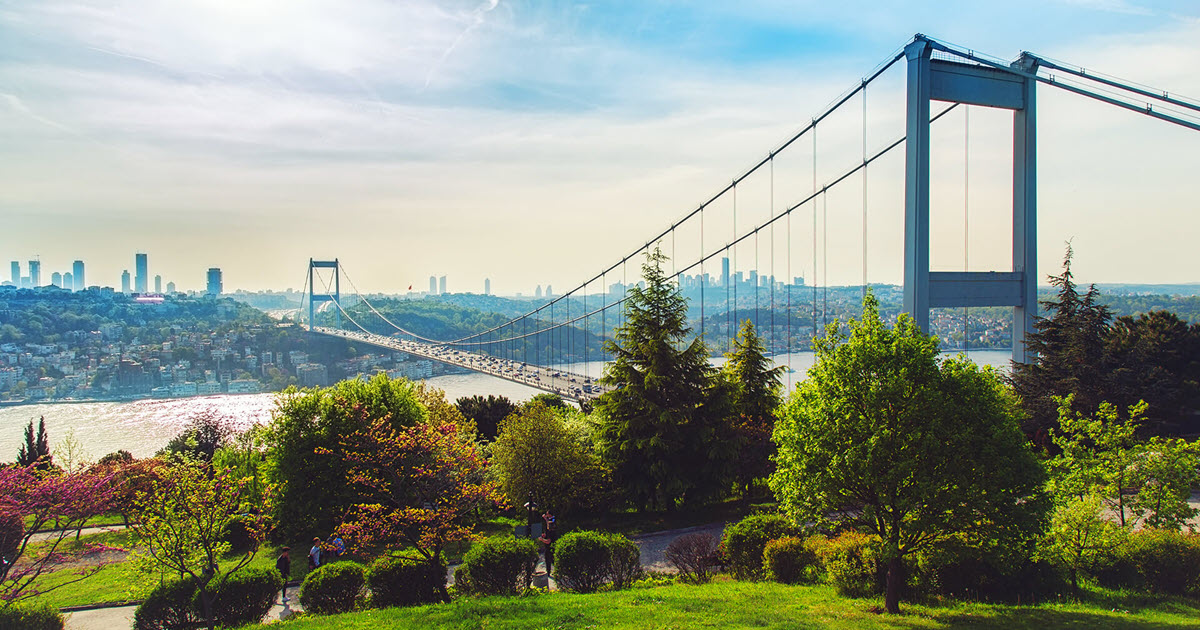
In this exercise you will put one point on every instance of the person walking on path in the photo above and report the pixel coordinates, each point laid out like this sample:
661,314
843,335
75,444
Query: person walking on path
547,539
314,554
337,546
284,566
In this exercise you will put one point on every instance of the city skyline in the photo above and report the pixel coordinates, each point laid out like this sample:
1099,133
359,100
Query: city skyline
220,135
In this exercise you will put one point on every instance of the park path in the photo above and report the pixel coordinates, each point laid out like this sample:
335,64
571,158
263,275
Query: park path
653,547
50,534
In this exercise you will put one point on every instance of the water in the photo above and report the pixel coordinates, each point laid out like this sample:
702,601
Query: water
143,427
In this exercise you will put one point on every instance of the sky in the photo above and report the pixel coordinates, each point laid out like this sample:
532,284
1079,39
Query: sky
537,143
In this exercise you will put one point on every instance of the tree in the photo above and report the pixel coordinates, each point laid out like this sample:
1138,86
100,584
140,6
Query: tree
181,521
915,449
36,450
536,454
1068,347
486,412
45,500
1155,357
664,428
1079,536
204,434
755,387
427,480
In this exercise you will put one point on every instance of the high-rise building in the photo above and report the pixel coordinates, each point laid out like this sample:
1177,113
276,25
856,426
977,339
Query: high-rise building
442,285
68,281
537,293
549,291
214,281
725,271
16,273
125,282
158,284
432,285
77,275
487,286
56,279
140,277
35,273
170,287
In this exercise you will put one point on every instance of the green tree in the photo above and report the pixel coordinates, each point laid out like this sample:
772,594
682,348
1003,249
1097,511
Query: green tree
905,445
537,454
755,387
36,449
664,427
486,412
1079,537
1155,357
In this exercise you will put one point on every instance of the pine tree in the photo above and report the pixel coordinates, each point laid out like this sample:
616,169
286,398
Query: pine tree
755,389
664,429
36,450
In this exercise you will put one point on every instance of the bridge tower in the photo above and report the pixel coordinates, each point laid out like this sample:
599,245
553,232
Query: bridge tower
990,86
314,297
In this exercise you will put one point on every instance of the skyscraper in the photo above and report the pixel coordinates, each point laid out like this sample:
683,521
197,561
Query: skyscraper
442,285
170,287
35,273
214,281
77,276
125,282
432,285
158,284
487,286
725,271
16,273
56,279
140,277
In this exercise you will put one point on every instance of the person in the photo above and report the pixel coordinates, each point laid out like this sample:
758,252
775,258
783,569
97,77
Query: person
338,546
547,520
314,554
284,566
549,534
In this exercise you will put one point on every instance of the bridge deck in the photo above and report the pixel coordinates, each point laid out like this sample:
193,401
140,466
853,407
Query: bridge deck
557,381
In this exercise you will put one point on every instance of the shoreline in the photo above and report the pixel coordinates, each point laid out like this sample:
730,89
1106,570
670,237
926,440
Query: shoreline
117,399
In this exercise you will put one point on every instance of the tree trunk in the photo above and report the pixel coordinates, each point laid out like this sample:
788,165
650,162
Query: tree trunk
895,577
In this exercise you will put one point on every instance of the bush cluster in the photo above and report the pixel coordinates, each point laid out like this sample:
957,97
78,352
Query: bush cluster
333,588
405,582
792,559
245,597
27,616
745,541
851,563
693,556
170,606
585,561
498,566
1167,561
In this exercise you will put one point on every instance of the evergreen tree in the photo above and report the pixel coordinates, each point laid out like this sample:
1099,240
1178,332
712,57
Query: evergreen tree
36,450
1068,346
755,390
664,429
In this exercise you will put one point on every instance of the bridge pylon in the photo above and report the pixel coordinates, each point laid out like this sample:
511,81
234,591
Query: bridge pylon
932,79
325,296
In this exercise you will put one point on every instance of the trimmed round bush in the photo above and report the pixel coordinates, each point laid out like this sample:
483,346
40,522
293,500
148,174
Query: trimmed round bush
170,606
584,561
498,566
405,582
851,564
745,541
1168,561
245,597
27,616
790,560
333,588
693,556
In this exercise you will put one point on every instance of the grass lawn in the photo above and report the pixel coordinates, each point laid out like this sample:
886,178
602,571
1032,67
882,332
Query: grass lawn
729,604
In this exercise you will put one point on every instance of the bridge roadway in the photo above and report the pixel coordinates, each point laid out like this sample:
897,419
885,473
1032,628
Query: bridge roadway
557,381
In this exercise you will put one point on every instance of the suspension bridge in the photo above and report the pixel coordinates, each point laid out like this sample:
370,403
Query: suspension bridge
557,345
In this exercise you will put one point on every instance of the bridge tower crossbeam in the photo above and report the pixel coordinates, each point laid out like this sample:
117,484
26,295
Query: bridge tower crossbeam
314,297
932,79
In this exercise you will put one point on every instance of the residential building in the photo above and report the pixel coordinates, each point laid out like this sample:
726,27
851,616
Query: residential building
244,386
312,375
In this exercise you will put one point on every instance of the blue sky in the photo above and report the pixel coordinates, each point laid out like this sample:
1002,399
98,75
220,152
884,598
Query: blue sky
535,142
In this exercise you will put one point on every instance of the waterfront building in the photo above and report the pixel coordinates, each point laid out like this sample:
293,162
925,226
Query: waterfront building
77,275
140,277
244,386
312,375
214,282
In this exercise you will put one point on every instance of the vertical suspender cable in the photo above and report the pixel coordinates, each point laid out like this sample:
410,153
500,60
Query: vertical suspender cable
825,256
772,279
790,282
733,275
864,187
966,217
814,231
702,282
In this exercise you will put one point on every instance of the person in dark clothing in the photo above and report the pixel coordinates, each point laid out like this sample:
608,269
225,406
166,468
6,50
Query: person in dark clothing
547,539
284,566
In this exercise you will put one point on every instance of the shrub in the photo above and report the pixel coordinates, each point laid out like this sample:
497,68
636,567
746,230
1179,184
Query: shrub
170,606
31,617
1006,572
850,563
745,541
791,560
586,560
333,588
405,582
1168,561
692,555
245,597
498,566
238,535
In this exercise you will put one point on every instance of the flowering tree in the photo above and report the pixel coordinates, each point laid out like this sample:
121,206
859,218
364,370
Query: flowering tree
428,480
36,500
181,520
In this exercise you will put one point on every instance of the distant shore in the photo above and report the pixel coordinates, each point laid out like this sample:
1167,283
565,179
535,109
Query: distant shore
116,399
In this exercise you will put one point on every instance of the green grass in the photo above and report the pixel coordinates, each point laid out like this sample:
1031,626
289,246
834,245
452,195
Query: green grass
730,604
